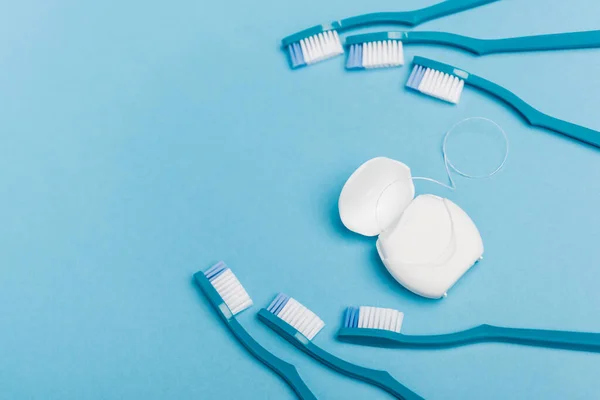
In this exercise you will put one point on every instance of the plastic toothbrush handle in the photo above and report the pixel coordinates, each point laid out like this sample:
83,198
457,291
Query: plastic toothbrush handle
378,378
535,117
285,370
556,41
581,341
470,44
411,18
408,18
389,339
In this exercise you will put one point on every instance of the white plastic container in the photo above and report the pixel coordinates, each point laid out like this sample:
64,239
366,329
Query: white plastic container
427,243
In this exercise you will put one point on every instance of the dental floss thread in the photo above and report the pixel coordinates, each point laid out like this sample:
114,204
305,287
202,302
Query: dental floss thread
449,166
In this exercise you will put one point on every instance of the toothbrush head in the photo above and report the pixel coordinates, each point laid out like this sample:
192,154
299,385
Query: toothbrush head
373,318
436,79
296,315
375,50
229,287
312,45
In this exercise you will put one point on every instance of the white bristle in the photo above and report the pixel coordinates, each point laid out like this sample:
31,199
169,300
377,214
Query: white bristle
321,47
441,85
232,292
380,318
382,54
301,318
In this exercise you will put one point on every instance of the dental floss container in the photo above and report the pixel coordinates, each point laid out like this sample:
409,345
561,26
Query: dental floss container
426,243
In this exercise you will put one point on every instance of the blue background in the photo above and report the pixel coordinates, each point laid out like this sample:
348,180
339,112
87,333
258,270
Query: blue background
142,141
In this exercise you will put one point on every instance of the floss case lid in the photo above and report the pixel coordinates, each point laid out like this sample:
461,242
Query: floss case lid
375,196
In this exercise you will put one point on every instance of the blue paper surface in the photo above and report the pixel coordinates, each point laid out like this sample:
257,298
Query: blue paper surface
142,141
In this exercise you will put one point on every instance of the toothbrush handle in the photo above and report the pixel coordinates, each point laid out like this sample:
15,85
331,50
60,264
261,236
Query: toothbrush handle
555,41
409,18
387,339
375,377
287,371
470,44
412,18
535,117
378,378
581,341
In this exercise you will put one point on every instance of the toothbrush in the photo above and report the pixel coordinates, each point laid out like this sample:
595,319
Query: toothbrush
380,327
298,325
322,42
229,298
446,83
384,49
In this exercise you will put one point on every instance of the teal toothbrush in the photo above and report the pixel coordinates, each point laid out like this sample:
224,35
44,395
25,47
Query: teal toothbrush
446,83
298,325
228,297
322,41
384,49
380,327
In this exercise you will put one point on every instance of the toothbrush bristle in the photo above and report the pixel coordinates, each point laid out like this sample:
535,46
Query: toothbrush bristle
380,54
298,316
351,317
373,318
436,84
229,287
315,48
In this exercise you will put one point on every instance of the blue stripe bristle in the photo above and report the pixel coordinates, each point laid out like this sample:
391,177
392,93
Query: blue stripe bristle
275,302
351,319
277,305
216,270
348,317
355,57
296,57
415,78
355,314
